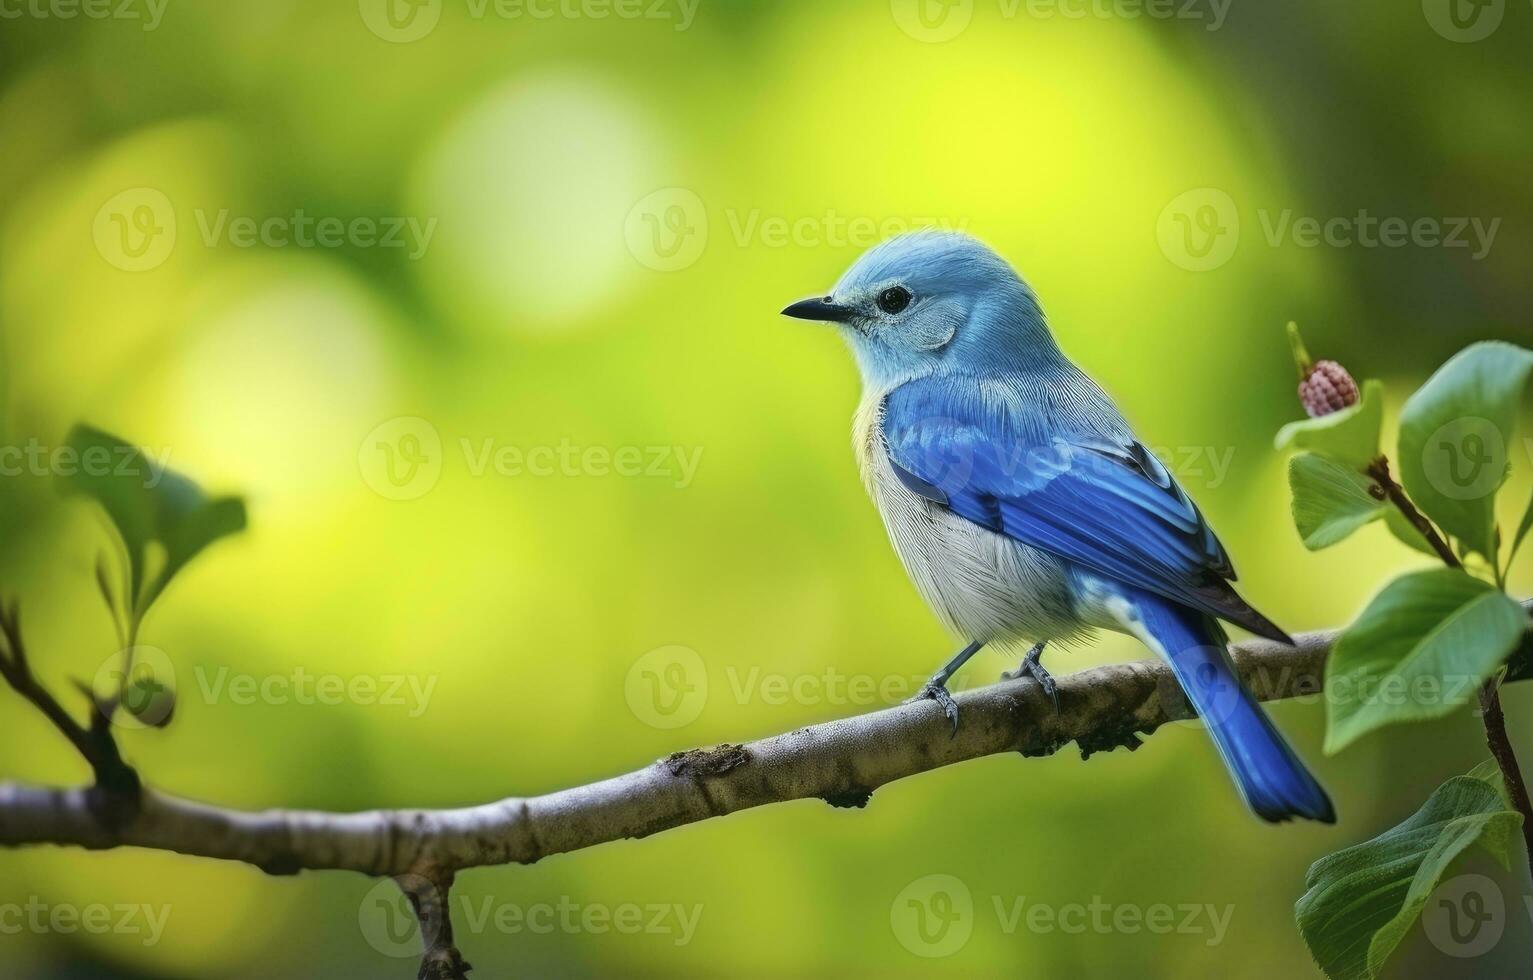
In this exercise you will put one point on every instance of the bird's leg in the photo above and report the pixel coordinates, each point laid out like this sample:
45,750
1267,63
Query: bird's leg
936,688
1032,666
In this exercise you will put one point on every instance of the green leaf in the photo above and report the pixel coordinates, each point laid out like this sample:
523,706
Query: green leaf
163,519
1522,532
1329,501
1349,437
1361,901
1406,532
1420,650
1455,437
1490,772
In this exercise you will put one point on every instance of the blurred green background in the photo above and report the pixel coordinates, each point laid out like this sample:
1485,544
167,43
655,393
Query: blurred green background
598,214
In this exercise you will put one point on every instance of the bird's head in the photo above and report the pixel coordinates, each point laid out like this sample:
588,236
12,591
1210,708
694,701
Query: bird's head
931,301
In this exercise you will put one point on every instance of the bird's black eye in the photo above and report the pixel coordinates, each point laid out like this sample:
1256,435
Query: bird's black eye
894,299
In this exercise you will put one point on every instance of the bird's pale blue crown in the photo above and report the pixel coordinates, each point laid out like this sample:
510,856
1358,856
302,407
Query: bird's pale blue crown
931,302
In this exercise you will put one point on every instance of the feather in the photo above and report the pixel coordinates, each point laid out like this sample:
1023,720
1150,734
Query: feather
1102,501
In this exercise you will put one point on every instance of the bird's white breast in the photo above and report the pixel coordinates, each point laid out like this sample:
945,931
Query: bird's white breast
982,585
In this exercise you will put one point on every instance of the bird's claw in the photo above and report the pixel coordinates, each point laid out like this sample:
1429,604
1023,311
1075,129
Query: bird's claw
1045,680
939,694
1032,666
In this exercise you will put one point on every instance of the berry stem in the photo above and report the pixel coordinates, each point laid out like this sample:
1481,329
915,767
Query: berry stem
1300,355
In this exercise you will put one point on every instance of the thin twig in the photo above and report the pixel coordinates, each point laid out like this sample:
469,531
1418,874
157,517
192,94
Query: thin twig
117,782
429,895
1506,760
1378,471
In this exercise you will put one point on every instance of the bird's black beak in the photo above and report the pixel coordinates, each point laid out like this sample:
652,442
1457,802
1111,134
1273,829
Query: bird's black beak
819,308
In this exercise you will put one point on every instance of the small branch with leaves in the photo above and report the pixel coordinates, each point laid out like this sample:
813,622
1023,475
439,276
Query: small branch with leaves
1434,625
116,781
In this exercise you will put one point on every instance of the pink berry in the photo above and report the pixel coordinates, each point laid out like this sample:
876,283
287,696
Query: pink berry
1327,388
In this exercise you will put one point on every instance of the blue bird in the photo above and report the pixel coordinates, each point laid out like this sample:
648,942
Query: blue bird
1023,507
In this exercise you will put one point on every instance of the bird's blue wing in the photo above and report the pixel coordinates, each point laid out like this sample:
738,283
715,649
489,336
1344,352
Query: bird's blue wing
1105,503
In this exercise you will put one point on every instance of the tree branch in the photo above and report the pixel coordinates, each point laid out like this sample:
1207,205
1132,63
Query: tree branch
841,762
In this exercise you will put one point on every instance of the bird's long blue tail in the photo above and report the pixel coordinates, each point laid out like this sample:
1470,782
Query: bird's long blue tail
1275,784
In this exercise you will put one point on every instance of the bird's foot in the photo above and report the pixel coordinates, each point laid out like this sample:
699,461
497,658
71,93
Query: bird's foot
934,690
1032,666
